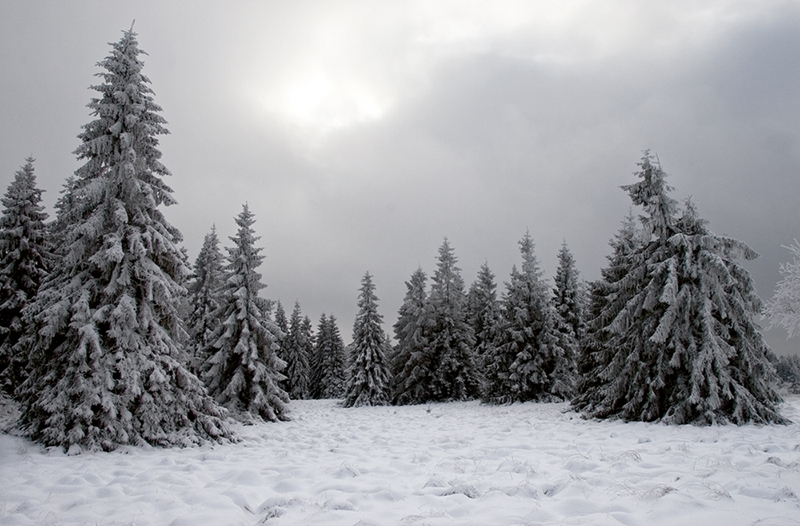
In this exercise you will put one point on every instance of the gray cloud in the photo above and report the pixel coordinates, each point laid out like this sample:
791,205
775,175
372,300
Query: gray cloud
457,120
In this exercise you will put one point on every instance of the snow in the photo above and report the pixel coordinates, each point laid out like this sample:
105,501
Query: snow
455,463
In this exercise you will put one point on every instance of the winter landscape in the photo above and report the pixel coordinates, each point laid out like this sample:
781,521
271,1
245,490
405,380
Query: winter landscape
143,383
459,463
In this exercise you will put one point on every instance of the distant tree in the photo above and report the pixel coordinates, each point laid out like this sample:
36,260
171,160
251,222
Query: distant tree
783,309
297,347
368,382
528,363
204,298
106,364
569,304
24,263
243,371
681,345
451,339
329,373
567,294
788,368
483,312
412,363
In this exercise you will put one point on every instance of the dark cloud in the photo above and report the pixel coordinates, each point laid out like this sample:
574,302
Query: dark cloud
482,132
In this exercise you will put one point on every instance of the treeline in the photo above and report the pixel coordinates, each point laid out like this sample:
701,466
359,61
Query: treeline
108,337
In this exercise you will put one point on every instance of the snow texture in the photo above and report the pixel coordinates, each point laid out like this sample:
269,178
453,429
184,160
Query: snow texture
460,463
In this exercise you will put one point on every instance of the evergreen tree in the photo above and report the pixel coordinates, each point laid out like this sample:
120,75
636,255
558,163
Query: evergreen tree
568,302
329,374
788,369
66,205
483,314
106,365
606,298
24,262
528,363
368,382
783,309
296,350
451,339
283,324
204,301
567,295
681,345
243,371
412,363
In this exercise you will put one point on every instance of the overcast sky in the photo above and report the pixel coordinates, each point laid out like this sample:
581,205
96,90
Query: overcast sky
363,133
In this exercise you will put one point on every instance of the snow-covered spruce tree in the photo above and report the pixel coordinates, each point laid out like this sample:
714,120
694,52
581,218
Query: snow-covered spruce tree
568,297
451,340
681,345
329,375
368,379
296,351
24,263
65,205
788,369
412,365
783,309
483,314
606,298
528,362
243,371
569,304
106,368
204,301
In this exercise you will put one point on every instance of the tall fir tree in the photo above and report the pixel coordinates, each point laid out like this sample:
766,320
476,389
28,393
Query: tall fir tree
243,371
106,365
605,299
204,300
296,351
484,315
681,345
569,305
283,324
329,374
412,366
528,363
368,380
451,340
24,263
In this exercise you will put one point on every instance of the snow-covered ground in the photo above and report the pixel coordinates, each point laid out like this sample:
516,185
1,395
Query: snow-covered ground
457,463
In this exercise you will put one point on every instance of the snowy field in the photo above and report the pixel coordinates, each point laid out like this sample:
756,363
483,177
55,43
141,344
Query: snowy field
458,463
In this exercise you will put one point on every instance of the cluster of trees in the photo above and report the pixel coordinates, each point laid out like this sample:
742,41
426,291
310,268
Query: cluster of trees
107,337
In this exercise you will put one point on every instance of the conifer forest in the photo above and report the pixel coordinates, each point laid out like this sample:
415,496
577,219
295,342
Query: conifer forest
114,338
